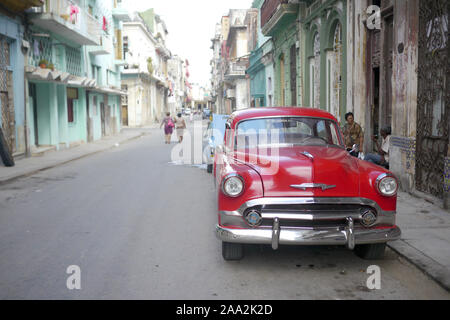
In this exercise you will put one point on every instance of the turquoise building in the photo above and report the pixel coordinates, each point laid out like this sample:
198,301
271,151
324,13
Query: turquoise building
12,111
73,70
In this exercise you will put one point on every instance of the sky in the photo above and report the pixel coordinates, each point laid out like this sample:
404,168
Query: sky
191,26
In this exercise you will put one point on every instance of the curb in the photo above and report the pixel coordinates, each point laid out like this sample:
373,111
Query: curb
33,172
430,267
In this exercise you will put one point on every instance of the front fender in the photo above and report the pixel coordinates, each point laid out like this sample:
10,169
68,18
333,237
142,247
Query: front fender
369,173
253,185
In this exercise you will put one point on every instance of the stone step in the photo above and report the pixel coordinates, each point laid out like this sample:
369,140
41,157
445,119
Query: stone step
42,150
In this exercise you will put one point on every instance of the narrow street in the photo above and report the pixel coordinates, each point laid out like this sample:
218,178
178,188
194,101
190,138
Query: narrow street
141,228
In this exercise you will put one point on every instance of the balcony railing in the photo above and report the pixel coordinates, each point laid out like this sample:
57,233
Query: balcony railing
316,4
235,70
120,11
275,10
42,51
268,9
66,18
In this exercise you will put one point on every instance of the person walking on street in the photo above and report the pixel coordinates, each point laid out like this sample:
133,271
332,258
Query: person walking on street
353,133
382,158
168,127
180,125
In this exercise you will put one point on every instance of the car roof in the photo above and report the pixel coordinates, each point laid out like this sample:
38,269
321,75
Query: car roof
279,111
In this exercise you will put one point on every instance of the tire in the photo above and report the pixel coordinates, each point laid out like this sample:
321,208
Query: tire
209,168
5,154
373,251
232,251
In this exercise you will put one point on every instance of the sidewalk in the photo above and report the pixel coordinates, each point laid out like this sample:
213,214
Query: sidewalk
425,240
29,166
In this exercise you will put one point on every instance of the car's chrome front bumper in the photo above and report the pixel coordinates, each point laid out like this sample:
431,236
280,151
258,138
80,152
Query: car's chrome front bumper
296,236
345,228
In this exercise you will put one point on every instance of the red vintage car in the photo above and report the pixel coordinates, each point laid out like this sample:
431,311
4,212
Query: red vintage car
284,177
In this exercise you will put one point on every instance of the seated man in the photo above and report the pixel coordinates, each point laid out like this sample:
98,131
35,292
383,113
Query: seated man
382,158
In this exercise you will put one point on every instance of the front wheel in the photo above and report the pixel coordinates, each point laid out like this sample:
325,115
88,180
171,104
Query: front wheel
232,251
373,251
209,168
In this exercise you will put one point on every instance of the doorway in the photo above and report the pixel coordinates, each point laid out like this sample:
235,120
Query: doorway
293,75
33,103
125,116
102,118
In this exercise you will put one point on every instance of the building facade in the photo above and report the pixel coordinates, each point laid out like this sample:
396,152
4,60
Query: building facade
383,60
73,72
13,48
230,83
400,79
151,77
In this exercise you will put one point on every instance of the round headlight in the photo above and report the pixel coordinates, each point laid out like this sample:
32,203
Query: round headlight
233,186
387,185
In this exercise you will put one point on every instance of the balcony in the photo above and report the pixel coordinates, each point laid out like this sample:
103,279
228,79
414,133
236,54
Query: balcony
67,19
277,14
59,66
120,12
105,47
163,51
235,70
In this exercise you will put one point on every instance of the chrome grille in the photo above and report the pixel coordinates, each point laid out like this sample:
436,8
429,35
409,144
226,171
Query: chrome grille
310,215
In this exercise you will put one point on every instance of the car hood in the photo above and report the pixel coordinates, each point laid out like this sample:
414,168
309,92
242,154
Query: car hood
330,167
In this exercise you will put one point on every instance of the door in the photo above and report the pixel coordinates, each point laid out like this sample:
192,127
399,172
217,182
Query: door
7,116
102,118
293,75
90,137
388,56
373,75
33,100
433,105
125,116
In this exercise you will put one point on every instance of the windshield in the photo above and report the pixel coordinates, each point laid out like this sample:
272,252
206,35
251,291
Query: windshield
287,131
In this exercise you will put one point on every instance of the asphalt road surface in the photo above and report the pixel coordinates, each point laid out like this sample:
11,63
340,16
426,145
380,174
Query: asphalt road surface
140,227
